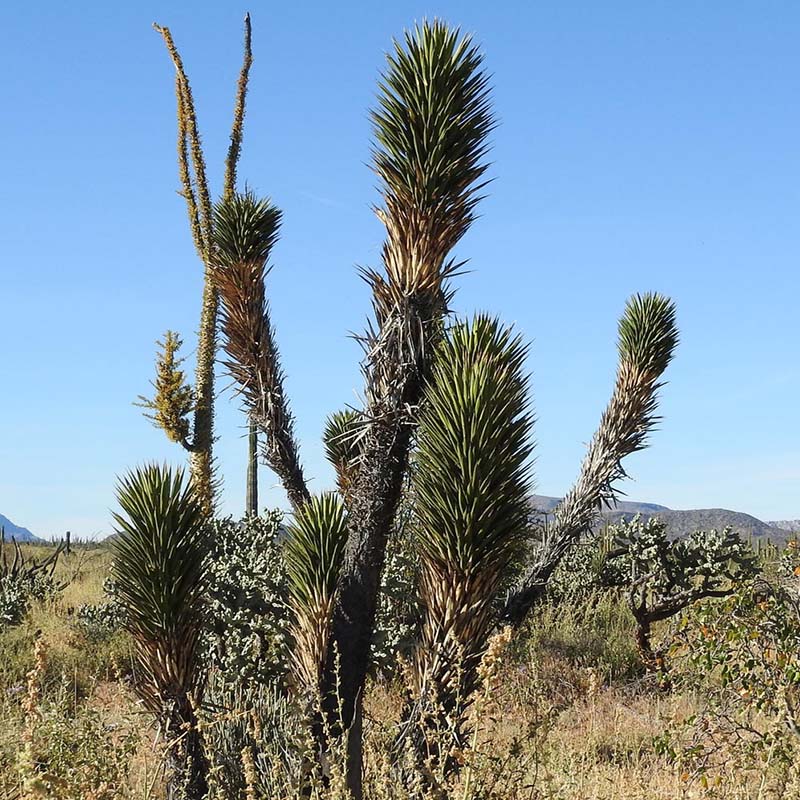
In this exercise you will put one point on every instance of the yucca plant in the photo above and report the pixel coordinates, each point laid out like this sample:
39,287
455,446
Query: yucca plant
314,548
431,128
646,342
342,439
471,487
245,231
160,575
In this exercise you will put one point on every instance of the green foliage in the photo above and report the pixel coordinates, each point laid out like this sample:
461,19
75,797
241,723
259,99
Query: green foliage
69,752
256,729
473,471
315,544
100,622
471,483
648,332
314,549
592,632
16,595
24,580
248,612
174,398
431,125
342,445
580,572
161,577
742,655
245,230
398,612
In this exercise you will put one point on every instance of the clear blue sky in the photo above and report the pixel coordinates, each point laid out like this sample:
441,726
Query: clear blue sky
641,146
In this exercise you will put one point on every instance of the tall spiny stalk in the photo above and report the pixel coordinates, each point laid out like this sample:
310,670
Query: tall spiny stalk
431,126
192,170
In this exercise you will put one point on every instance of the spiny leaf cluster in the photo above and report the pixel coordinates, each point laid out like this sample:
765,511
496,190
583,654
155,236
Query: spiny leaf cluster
160,574
473,467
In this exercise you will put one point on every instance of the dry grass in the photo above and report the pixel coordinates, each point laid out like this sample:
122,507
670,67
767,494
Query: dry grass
554,727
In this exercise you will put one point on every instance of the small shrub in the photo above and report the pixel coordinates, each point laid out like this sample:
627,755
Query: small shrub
742,654
100,622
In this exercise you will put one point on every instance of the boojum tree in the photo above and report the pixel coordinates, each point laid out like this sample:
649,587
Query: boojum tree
174,400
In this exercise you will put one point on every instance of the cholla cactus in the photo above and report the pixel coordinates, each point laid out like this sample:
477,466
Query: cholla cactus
248,619
662,577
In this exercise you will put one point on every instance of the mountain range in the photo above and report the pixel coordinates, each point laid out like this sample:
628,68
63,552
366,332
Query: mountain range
682,523
679,523
13,531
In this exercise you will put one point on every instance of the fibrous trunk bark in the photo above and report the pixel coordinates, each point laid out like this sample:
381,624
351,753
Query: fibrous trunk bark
370,520
187,760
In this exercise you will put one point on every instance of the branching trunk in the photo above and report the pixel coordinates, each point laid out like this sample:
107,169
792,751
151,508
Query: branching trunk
370,520
191,162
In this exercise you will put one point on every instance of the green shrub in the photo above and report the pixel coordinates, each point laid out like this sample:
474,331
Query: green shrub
100,622
742,655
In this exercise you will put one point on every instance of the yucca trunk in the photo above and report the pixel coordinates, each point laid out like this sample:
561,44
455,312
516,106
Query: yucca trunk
431,128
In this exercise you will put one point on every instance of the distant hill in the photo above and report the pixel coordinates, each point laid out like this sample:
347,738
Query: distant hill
682,523
790,525
14,531
547,504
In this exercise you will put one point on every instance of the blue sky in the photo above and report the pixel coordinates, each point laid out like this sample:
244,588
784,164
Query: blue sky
641,146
